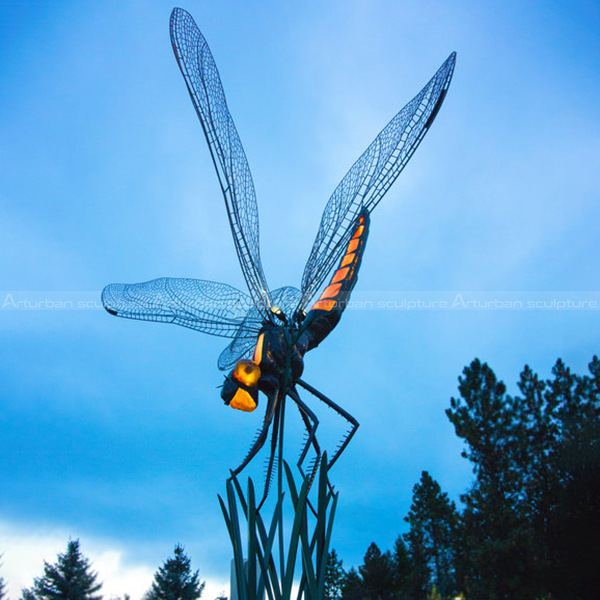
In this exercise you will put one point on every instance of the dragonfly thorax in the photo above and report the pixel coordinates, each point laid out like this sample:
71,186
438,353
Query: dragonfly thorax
279,353
277,362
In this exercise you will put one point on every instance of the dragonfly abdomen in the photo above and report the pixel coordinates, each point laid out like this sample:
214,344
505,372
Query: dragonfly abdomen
327,310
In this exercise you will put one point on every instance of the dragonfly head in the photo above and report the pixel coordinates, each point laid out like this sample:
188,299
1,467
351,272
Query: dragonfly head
240,389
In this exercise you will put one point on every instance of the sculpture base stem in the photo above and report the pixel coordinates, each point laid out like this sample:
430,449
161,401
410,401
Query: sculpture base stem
279,564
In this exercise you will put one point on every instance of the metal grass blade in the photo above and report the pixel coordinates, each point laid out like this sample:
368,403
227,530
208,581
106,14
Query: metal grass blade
236,542
253,546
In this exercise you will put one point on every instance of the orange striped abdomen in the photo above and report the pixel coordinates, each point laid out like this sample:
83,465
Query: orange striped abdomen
337,293
327,310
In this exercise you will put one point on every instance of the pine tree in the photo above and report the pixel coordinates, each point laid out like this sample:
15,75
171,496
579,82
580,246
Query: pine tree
574,517
334,577
71,578
175,579
3,595
402,567
433,521
496,532
534,508
352,586
377,574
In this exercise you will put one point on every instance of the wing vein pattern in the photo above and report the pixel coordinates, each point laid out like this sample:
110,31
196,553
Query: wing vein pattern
242,346
214,308
206,91
370,177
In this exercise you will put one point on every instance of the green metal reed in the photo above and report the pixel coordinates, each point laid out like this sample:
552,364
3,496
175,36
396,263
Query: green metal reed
270,563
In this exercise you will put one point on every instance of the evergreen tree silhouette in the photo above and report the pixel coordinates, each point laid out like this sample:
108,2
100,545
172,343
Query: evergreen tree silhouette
70,578
175,579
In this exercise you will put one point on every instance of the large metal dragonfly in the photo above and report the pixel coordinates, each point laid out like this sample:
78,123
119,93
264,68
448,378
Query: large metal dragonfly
271,330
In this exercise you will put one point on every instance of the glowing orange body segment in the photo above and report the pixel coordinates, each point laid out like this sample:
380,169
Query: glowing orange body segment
347,260
257,356
324,304
247,372
340,275
359,232
353,245
243,401
331,291
344,278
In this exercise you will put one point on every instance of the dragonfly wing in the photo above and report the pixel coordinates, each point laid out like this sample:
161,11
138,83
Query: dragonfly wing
242,346
371,176
207,306
204,85
287,298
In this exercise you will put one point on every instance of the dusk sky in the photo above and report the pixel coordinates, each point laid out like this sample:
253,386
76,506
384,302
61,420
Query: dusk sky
113,431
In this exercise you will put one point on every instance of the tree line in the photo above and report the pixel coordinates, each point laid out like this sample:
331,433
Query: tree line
528,527
71,578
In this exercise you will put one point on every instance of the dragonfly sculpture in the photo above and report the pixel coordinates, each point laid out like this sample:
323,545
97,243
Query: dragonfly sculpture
271,330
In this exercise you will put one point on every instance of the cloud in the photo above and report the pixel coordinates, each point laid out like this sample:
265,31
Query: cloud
26,547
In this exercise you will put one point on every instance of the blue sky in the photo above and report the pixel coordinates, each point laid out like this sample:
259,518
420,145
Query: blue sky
113,431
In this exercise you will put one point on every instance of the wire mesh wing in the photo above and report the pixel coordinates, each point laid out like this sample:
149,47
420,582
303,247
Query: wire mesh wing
371,176
242,346
207,306
204,85
287,298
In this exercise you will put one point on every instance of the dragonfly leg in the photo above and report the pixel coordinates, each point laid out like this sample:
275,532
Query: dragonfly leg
262,433
353,422
311,422
273,452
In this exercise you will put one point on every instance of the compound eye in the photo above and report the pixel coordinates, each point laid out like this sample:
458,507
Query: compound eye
247,372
